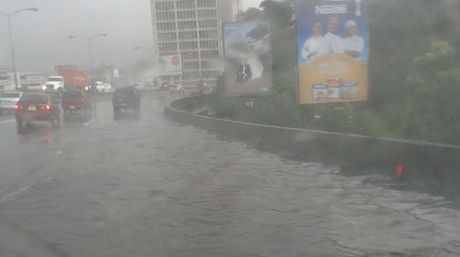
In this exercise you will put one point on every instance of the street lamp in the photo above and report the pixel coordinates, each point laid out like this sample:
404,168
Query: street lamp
89,39
13,61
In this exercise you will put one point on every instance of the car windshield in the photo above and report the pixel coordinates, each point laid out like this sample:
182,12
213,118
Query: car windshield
124,93
233,128
10,95
32,98
72,94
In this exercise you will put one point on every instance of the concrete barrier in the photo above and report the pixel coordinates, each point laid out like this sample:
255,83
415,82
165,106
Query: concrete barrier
437,165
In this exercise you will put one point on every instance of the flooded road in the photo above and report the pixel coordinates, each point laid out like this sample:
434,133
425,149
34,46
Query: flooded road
152,187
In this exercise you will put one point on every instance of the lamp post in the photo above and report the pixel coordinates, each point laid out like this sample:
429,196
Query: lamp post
89,39
10,33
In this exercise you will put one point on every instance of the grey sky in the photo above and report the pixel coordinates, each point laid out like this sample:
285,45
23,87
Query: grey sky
41,38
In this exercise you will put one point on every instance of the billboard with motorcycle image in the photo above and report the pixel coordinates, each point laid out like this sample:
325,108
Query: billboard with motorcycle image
248,67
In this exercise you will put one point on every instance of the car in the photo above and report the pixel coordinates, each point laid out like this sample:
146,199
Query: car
127,98
73,100
176,89
37,107
8,100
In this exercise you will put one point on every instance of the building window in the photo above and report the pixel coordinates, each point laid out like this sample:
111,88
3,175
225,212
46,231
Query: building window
189,55
208,24
205,64
207,13
191,65
166,16
187,35
188,45
208,34
186,25
209,44
165,26
186,14
209,54
211,74
167,36
190,75
185,4
168,46
207,3
164,5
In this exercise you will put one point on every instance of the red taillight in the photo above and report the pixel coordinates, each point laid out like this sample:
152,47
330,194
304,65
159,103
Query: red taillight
83,100
16,106
47,107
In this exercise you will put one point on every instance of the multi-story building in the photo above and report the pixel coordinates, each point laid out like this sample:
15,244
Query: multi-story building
193,29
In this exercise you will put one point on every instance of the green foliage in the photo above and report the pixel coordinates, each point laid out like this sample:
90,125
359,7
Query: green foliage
414,75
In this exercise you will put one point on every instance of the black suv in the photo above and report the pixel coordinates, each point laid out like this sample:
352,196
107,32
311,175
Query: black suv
124,99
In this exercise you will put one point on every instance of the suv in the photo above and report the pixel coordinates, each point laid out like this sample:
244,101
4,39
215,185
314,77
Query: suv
37,107
126,99
75,100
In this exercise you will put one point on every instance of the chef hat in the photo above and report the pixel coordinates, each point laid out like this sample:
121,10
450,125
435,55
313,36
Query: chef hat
350,23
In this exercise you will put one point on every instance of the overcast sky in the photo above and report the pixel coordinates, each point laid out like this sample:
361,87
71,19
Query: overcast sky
41,38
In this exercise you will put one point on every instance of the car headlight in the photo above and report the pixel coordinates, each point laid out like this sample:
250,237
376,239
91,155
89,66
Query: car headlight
43,87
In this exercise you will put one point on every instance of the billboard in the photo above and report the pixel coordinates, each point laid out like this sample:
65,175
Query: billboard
248,67
170,64
333,49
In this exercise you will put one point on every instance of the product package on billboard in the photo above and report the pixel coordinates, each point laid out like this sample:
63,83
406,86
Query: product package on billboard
248,69
333,51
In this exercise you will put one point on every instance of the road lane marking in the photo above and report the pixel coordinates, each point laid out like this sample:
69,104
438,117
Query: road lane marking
89,122
13,194
6,121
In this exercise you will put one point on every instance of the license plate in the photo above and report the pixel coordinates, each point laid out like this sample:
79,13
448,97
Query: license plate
72,107
32,108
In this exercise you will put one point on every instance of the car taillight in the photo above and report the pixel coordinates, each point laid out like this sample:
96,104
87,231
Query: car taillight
47,107
16,106
83,100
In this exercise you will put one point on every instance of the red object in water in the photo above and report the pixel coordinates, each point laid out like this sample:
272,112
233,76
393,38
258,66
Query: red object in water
399,169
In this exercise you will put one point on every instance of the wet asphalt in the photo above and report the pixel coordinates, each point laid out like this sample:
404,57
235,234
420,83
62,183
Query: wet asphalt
152,187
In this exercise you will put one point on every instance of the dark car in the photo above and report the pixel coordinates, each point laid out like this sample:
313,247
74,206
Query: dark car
37,107
126,99
76,100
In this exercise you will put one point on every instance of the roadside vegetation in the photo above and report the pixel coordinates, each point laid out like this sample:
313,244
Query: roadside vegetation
414,74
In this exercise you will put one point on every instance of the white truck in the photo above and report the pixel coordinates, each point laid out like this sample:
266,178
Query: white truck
54,83
30,81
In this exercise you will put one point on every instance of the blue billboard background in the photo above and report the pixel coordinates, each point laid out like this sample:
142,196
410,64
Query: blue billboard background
306,16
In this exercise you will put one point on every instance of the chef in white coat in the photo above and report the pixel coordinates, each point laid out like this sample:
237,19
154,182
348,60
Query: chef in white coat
353,44
333,42
315,45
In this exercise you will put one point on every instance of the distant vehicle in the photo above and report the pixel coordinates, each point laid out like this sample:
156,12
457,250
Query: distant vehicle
73,100
8,100
126,99
54,83
31,81
74,79
103,87
176,89
37,107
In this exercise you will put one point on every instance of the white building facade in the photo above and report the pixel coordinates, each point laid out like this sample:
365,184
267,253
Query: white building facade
193,29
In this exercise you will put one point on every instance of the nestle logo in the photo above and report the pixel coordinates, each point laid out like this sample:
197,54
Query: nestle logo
331,9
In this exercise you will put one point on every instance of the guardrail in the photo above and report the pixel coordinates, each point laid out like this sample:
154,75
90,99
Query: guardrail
436,165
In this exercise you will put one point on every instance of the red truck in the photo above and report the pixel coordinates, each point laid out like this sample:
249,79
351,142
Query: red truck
74,79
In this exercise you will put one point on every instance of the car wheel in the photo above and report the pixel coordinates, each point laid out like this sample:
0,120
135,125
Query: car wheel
19,126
